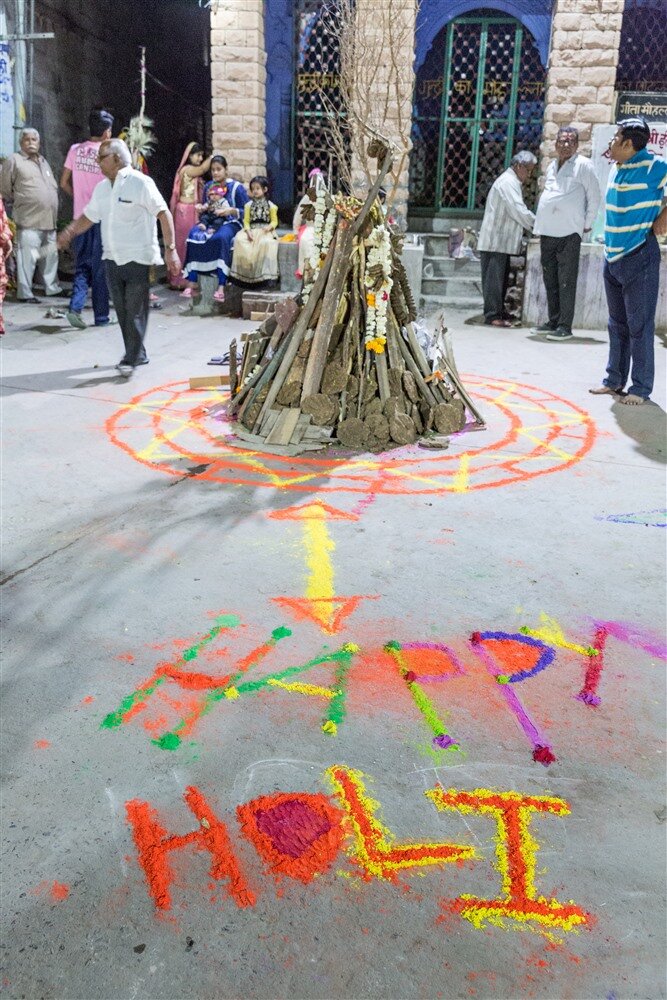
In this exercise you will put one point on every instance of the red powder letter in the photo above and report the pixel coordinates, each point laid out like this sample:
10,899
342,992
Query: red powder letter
516,852
154,845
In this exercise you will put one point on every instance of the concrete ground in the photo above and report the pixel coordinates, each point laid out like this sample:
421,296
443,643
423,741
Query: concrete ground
160,582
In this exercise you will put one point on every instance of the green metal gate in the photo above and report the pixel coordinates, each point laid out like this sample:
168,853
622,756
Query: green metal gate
478,99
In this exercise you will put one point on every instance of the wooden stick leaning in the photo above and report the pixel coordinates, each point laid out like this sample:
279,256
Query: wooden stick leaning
297,333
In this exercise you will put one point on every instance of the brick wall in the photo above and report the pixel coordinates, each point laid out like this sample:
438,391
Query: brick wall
585,41
238,74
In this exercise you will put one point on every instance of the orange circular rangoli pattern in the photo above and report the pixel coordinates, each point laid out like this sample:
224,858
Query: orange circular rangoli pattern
531,432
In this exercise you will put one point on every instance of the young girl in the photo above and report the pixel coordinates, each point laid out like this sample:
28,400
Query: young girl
186,193
211,253
255,259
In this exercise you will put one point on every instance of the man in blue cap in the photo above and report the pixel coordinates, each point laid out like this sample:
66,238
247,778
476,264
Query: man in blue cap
634,217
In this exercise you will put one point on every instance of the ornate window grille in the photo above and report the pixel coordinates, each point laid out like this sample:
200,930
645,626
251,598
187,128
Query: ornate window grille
318,67
642,59
479,98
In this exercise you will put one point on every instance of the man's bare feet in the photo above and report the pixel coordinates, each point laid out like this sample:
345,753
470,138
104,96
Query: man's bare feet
632,400
604,390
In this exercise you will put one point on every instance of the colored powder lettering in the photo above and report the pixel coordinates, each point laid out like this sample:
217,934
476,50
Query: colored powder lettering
515,854
296,834
41,744
375,850
154,846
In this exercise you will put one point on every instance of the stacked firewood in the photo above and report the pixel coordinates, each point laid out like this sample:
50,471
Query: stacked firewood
342,363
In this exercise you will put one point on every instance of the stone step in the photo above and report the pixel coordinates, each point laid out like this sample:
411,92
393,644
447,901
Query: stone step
261,302
419,224
445,267
429,304
436,245
453,286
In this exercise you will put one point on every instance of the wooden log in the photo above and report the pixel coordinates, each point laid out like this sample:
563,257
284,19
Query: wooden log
385,167
420,358
286,348
291,346
362,384
383,378
393,351
419,378
339,270
250,389
233,369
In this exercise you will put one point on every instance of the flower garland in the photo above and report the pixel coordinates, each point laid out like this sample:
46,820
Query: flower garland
325,222
378,283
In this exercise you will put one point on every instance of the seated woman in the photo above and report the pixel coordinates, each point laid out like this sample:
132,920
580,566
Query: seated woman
255,259
211,252
186,193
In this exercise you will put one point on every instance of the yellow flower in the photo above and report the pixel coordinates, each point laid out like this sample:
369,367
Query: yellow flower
376,344
370,299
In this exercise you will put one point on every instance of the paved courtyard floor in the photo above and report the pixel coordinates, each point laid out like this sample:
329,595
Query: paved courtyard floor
351,726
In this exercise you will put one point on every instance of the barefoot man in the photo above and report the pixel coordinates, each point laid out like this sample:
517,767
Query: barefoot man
634,217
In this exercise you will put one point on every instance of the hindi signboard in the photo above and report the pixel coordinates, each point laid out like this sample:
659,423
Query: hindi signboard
652,106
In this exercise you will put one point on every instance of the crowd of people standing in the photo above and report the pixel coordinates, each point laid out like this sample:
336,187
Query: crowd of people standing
214,226
211,227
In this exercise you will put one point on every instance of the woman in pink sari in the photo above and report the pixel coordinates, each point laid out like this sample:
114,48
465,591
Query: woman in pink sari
185,195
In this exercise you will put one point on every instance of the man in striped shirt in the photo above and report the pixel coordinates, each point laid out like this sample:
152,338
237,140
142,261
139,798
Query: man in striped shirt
634,217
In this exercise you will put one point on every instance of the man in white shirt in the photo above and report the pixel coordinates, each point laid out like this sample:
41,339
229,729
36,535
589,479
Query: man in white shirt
127,203
566,210
505,218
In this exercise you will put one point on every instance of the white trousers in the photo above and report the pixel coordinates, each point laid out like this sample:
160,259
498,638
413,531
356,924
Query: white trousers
36,250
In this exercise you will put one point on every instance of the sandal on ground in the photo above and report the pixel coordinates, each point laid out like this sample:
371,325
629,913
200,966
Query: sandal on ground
499,322
632,400
605,390
186,293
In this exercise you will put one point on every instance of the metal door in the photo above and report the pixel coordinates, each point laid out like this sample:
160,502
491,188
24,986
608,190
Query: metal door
478,99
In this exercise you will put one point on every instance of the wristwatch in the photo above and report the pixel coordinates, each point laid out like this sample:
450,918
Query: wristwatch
172,246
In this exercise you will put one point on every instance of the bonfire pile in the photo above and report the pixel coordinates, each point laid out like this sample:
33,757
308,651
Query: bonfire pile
342,363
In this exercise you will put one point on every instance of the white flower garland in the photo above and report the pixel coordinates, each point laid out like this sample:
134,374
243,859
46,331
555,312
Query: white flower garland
325,222
378,245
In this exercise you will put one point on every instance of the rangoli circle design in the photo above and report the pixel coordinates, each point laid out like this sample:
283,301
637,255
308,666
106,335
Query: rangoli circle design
531,432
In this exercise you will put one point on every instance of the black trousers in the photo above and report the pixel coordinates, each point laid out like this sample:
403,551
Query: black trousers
560,267
495,277
130,290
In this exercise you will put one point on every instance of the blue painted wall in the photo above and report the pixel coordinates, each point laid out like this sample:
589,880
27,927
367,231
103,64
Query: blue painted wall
279,35
535,15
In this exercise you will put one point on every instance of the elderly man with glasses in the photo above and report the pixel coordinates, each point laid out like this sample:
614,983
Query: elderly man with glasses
28,183
566,210
126,204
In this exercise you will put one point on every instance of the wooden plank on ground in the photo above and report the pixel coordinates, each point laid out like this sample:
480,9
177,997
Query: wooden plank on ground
209,381
284,427
259,444
302,426
269,422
